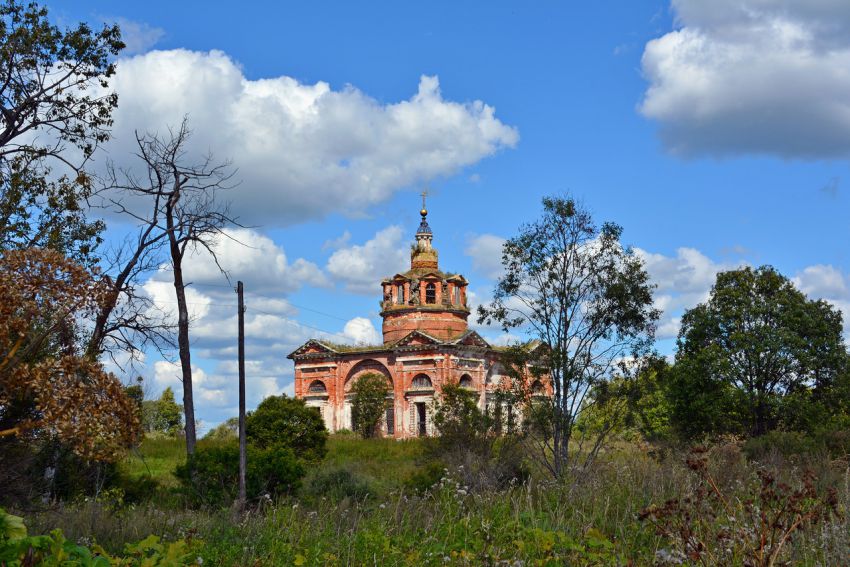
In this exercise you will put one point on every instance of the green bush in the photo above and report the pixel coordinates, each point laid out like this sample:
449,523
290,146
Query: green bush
272,471
285,422
17,549
336,484
369,403
795,444
426,477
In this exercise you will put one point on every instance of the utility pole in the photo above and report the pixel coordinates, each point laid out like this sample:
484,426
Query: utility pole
243,457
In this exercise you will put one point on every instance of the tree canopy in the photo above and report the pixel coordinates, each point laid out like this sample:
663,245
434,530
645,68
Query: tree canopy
369,403
287,422
757,342
573,286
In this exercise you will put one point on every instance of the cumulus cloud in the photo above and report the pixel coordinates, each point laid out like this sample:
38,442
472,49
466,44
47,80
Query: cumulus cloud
682,281
302,151
829,283
247,255
362,332
361,266
486,253
752,77
138,36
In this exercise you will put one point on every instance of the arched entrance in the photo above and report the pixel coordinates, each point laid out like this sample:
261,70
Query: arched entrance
363,367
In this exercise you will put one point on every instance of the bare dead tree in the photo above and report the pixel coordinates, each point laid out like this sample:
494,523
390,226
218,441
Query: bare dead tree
177,207
128,321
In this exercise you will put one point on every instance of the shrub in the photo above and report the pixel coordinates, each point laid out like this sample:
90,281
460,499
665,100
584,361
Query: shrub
337,484
369,403
470,446
272,471
285,422
19,549
224,431
424,478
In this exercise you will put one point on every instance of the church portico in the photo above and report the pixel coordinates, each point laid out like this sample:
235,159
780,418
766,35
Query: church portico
427,343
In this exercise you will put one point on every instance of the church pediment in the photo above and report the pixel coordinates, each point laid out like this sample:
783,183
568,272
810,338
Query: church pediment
312,347
471,338
418,338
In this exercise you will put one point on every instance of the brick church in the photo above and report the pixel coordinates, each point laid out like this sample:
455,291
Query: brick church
426,343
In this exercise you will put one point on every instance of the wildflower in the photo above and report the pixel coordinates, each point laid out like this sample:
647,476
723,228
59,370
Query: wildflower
382,506
199,560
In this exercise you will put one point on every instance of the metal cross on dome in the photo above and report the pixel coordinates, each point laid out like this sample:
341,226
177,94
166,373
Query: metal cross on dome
424,194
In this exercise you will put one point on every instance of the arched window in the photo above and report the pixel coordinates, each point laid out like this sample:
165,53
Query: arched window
399,294
317,387
421,382
430,293
466,381
537,388
455,295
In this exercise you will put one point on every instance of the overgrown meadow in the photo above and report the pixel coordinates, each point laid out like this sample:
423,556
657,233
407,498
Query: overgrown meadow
384,502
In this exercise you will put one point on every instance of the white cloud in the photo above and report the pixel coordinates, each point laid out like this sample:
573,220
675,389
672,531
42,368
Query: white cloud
828,283
362,266
362,332
822,281
753,77
302,151
486,253
253,258
682,281
138,36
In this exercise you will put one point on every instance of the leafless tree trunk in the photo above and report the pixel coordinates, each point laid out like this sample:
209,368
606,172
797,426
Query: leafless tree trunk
177,204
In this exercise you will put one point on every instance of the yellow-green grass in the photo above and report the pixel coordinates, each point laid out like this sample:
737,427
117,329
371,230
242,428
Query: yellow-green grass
385,462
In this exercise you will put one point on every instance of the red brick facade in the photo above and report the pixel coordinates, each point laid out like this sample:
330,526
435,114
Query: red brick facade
426,343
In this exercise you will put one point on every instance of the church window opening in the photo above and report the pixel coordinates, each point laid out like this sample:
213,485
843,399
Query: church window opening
390,419
317,387
537,388
399,294
466,381
421,382
421,419
430,293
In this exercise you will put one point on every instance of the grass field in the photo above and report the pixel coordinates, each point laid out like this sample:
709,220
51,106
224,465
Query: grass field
592,519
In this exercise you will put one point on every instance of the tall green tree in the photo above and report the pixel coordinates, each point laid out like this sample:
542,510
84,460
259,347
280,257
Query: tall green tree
280,421
572,285
163,415
55,109
757,343
369,403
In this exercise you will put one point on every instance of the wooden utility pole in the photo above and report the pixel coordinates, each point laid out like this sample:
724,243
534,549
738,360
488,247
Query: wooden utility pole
243,457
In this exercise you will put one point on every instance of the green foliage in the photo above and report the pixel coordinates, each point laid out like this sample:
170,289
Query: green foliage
426,477
369,403
796,444
51,77
336,484
483,448
285,422
587,299
19,550
757,344
163,415
458,418
224,431
213,479
632,407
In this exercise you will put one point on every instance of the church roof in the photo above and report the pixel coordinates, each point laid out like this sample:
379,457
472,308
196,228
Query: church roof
413,340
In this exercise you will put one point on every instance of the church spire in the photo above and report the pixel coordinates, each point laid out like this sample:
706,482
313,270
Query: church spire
423,254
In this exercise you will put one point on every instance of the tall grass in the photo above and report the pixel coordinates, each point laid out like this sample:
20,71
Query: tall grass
590,519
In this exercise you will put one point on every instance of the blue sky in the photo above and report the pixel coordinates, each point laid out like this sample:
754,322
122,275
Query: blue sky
716,133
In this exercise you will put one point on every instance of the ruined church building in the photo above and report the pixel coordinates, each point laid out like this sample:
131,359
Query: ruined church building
426,343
